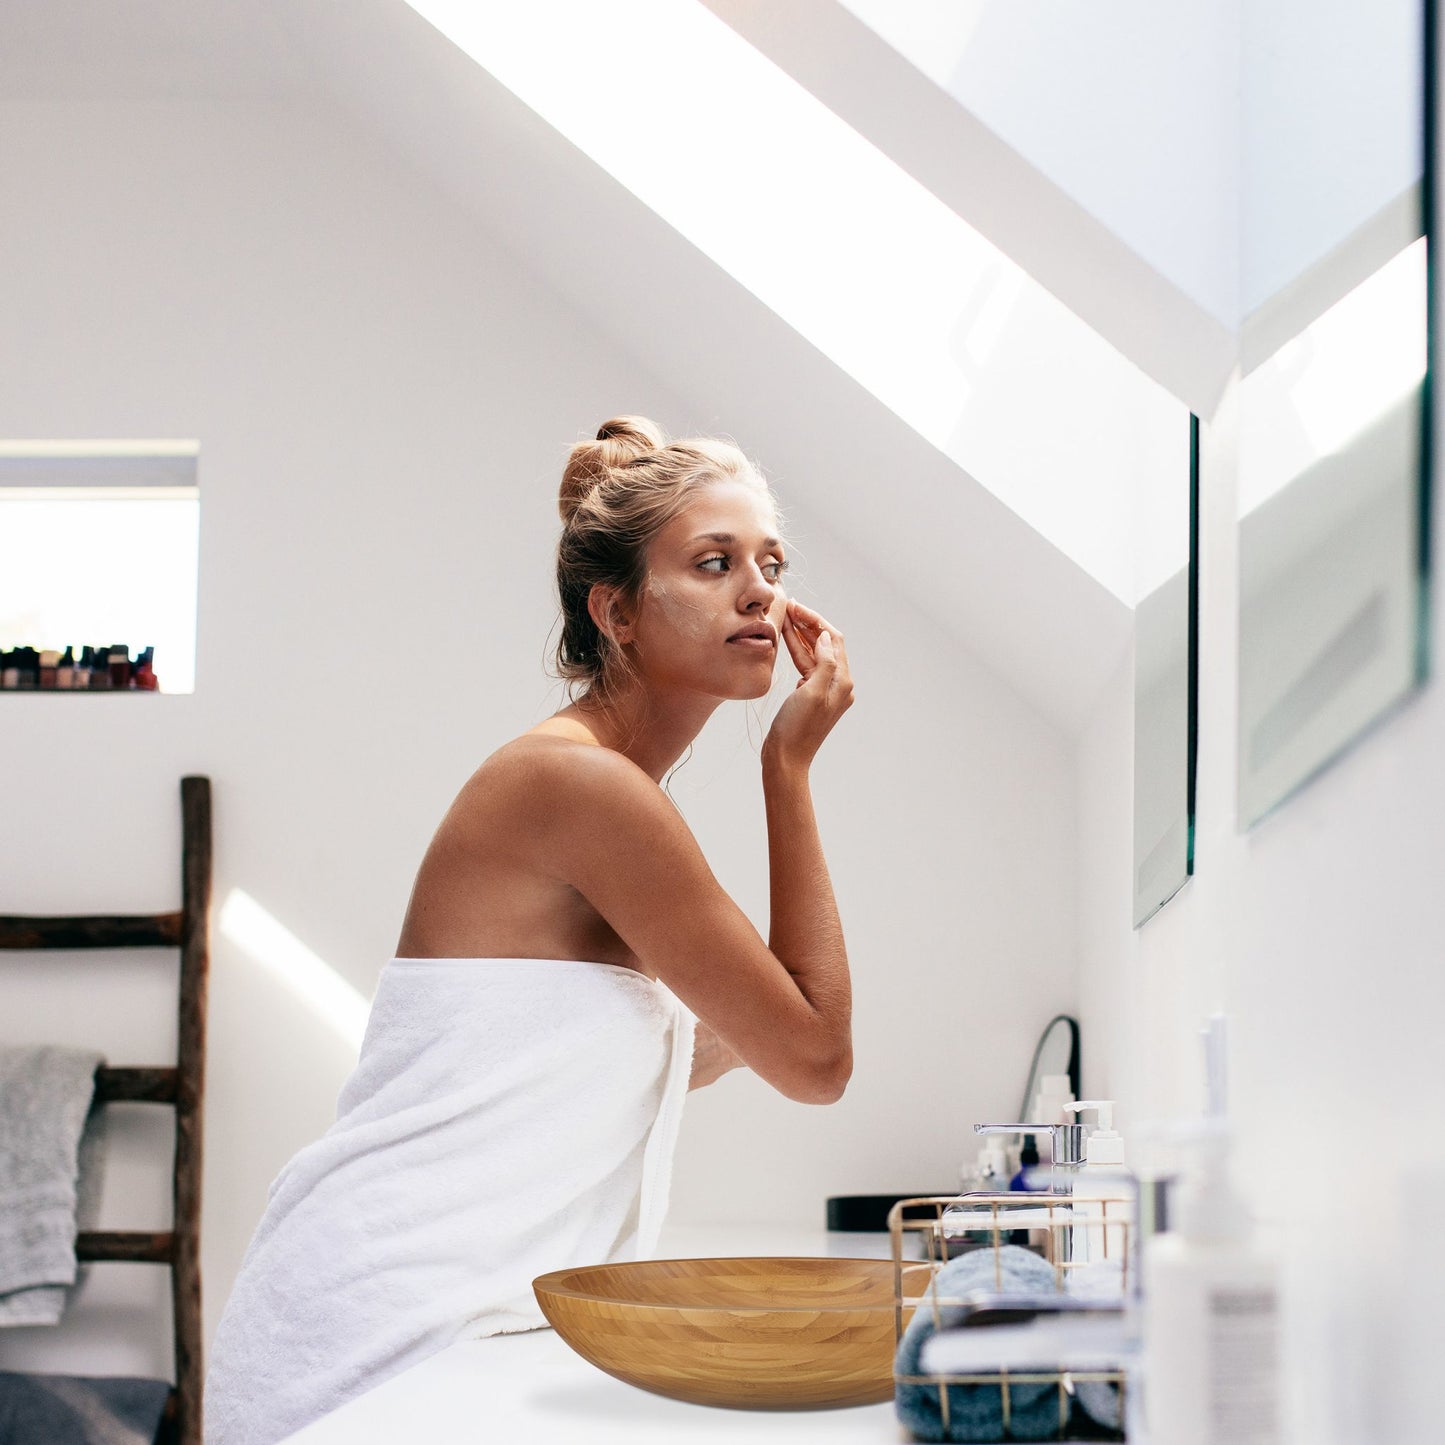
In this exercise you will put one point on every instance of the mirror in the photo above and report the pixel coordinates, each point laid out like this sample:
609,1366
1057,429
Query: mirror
1333,484
1165,686
1058,1052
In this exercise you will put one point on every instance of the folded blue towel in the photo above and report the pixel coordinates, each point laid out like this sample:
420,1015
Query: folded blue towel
975,1412
1101,1402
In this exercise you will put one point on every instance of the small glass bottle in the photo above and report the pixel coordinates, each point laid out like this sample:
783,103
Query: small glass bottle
119,666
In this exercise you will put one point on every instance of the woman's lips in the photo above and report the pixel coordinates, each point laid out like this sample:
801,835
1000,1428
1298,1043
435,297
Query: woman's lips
761,644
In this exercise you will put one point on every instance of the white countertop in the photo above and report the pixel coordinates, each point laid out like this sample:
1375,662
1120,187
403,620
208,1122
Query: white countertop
531,1386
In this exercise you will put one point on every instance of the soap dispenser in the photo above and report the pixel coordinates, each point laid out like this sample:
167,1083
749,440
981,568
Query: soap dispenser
1211,1312
1103,1230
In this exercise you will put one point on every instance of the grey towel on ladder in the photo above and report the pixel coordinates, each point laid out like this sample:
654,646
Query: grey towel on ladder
66,1410
50,1163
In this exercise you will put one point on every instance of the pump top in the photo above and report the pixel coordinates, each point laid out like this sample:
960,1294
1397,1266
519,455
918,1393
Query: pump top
1103,1108
1105,1146
1209,1207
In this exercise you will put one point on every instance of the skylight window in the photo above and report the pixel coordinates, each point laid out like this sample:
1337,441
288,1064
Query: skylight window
851,251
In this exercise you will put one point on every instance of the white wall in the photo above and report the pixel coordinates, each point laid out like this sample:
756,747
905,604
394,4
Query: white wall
1320,934
383,398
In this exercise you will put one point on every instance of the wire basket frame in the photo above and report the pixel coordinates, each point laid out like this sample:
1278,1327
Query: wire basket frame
993,1211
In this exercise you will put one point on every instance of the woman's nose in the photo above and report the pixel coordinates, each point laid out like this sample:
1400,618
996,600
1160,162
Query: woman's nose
759,589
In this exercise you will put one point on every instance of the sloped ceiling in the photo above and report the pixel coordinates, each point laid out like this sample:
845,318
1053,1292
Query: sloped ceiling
1198,181
991,583
1006,194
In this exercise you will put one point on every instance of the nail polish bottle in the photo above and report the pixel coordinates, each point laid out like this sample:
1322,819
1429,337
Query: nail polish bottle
49,662
65,671
9,669
29,669
119,655
99,670
145,676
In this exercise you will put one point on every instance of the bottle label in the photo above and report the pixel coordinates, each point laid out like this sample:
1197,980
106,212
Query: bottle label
1243,1344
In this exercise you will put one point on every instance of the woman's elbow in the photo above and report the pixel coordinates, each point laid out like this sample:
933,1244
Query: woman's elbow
827,1085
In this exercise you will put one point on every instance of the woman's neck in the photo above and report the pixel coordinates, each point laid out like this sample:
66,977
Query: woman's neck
652,730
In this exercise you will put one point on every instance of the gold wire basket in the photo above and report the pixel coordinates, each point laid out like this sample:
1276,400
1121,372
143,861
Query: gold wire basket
993,1221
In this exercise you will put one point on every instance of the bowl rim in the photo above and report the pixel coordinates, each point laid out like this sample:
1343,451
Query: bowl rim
551,1283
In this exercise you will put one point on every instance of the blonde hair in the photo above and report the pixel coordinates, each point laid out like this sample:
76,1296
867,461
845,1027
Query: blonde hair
618,492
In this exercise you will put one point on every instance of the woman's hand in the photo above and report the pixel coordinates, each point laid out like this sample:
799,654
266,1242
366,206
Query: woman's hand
824,691
711,1058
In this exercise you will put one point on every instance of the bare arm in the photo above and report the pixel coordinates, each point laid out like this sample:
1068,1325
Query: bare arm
804,929
805,932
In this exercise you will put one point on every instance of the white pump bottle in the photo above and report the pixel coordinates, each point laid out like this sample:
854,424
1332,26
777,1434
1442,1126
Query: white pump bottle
1103,1190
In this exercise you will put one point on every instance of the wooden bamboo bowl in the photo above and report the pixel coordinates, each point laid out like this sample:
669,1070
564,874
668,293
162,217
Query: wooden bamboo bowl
793,1333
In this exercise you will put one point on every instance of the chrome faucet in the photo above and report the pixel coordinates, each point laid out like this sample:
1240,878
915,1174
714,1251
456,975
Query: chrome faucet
1067,1148
1068,1158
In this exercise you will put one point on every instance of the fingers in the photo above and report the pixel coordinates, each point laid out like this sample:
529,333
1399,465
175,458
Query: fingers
808,619
801,651
810,626
817,650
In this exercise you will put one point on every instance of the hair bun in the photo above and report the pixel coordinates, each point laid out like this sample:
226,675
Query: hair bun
588,463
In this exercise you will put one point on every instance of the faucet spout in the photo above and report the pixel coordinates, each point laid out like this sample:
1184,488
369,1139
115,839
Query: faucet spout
1067,1140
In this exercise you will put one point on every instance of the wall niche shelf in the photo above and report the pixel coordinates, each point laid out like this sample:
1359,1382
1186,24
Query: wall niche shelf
102,541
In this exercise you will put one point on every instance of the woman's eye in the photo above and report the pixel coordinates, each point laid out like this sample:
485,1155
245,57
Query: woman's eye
779,567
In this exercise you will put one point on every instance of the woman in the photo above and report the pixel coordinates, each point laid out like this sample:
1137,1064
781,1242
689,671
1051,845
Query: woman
568,965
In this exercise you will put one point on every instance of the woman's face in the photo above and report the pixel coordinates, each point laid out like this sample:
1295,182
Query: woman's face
714,571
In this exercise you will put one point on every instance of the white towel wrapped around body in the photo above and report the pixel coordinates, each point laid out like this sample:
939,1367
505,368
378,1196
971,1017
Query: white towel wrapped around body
507,1117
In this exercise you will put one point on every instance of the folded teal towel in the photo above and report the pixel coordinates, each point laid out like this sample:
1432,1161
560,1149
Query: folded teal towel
975,1412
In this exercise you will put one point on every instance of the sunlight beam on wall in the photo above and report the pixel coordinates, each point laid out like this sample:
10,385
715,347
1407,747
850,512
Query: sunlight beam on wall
266,941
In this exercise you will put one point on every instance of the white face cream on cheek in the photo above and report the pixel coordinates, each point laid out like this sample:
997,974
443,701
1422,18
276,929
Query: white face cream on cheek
687,617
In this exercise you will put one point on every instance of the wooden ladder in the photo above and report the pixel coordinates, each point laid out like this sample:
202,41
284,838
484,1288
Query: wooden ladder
181,1087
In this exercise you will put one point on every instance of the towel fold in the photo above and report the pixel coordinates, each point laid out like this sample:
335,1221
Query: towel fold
50,1164
67,1410
975,1412
1101,1401
507,1117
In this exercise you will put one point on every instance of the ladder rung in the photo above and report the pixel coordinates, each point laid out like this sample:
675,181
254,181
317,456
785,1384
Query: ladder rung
98,930
131,1247
142,1086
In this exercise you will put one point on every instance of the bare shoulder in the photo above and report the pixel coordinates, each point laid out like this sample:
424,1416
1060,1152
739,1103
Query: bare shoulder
543,783
549,758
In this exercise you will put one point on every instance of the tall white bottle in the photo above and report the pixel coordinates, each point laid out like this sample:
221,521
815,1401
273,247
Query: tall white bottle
1211,1314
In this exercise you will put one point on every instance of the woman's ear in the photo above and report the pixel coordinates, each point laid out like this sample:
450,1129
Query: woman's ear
605,606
